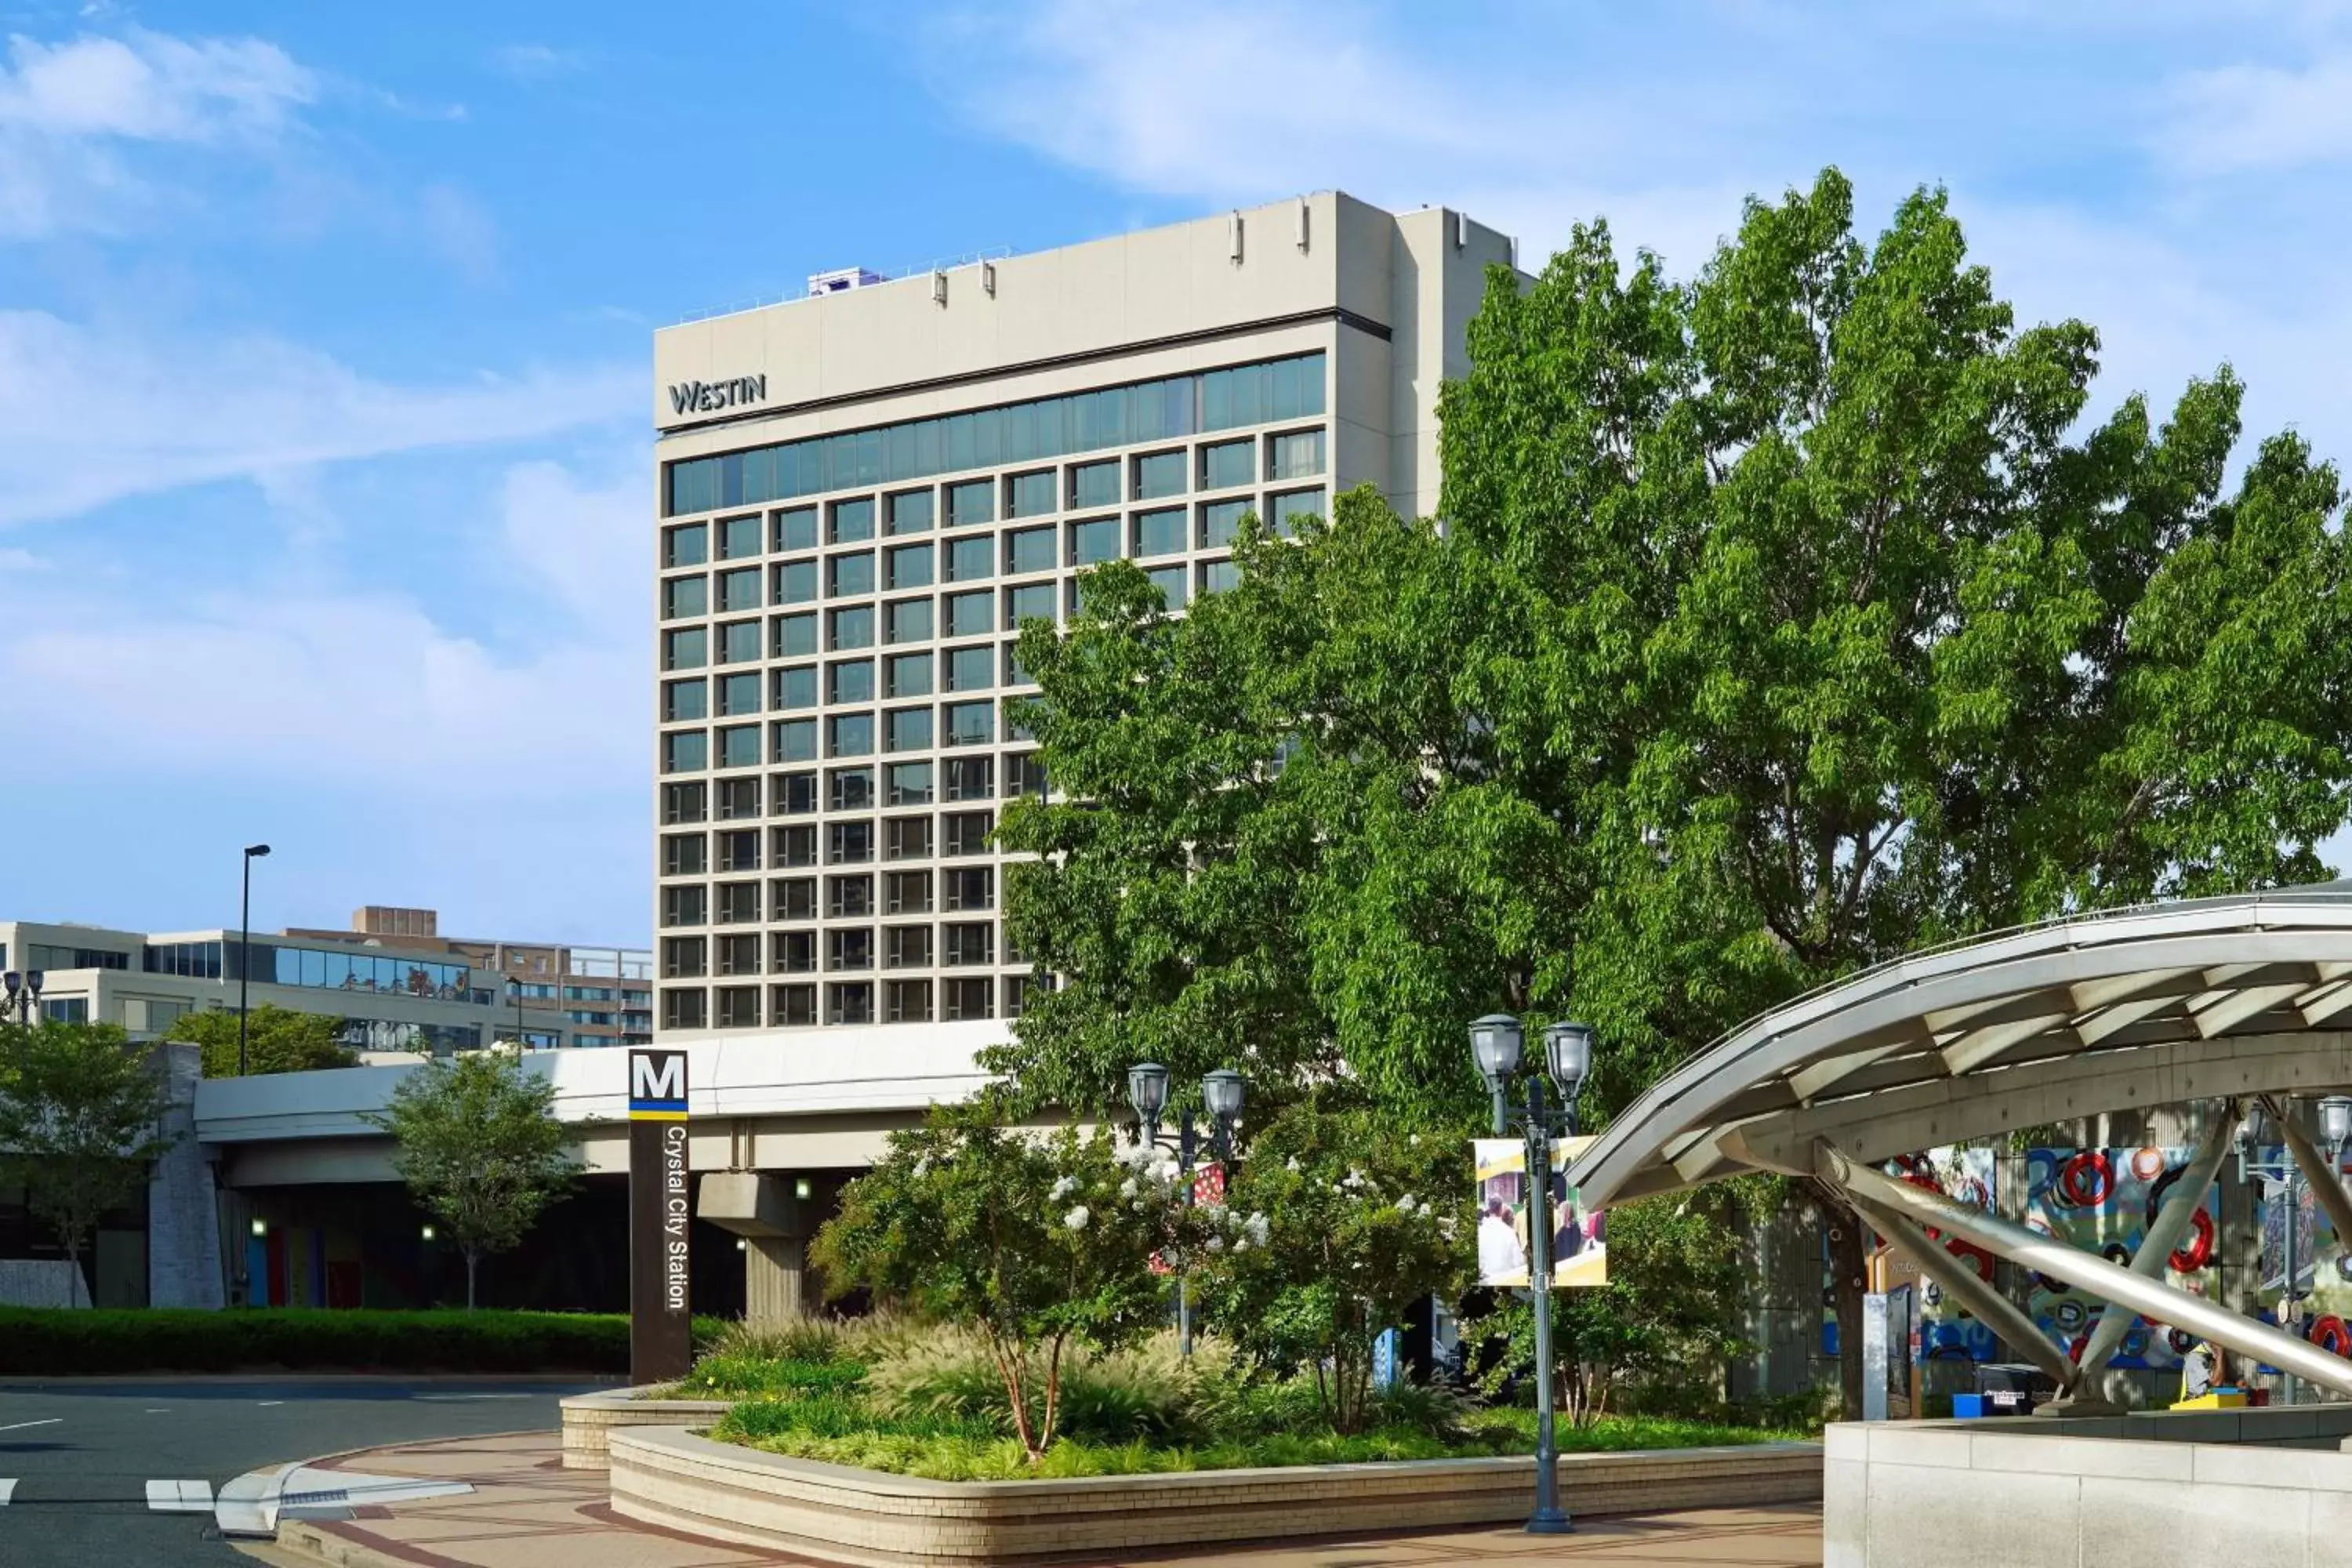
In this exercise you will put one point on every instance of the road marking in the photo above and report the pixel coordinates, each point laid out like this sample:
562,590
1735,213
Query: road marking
269,1404
179,1496
253,1504
159,1410
20,1426
7,1492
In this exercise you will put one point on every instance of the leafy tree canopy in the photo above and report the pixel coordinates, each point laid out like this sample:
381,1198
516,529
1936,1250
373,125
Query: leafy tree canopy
277,1039
80,1116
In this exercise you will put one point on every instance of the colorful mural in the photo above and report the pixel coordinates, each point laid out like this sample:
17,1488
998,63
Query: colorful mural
2323,1263
1947,1332
2102,1200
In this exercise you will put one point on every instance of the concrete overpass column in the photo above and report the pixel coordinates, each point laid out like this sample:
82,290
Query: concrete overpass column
775,1271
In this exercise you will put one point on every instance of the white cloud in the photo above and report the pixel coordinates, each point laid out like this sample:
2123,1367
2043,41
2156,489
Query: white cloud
2244,117
534,62
92,414
150,86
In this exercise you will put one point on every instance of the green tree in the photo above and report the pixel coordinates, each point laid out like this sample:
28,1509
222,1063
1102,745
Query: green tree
277,1039
80,1117
478,1143
1035,1240
1783,620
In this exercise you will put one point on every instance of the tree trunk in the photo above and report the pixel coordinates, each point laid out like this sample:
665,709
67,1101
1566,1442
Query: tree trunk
1849,1269
472,1259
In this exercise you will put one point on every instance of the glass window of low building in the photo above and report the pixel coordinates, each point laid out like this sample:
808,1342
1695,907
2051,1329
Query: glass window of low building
910,784
1094,484
685,752
795,635
973,559
739,694
1159,474
852,627
851,575
909,567
687,545
738,642
794,793
1095,540
971,778
689,647
194,960
1294,455
1224,464
796,582
852,520
850,789
738,590
971,502
683,596
739,537
909,892
910,511
967,614
795,740
1030,494
796,528
1160,533
684,700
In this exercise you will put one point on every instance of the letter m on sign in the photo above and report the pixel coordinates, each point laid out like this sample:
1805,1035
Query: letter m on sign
657,1086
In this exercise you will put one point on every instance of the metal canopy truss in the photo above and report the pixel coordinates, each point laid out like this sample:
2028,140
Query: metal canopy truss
2203,1000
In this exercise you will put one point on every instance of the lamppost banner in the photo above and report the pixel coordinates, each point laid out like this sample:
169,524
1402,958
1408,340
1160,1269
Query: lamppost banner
1579,1244
661,1219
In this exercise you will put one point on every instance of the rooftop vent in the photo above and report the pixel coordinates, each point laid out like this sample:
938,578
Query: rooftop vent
842,279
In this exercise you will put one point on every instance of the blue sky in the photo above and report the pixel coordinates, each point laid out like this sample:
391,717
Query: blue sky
325,489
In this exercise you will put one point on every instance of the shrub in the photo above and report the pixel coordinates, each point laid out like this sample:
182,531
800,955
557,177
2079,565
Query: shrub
1146,1392
84,1342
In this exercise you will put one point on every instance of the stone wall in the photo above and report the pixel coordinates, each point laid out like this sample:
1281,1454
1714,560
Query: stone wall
183,1240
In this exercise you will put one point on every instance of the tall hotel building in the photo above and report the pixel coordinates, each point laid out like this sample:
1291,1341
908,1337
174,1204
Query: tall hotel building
863,493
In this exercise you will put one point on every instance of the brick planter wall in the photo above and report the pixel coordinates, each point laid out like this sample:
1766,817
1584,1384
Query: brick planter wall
589,1420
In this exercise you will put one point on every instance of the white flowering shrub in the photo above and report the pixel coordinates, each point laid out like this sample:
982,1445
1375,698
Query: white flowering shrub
1334,1226
1036,1241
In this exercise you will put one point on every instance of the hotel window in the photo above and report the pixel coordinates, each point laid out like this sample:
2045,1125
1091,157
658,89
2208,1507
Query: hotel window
1017,996
687,546
908,673
684,802
910,513
909,892
970,888
1029,495
848,898
1159,474
684,596
682,957
1284,511
686,648
1094,540
848,843
851,1003
971,778
793,899
738,642
792,952
968,944
1294,455
1033,602
793,846
684,906
1024,774
850,789
973,559
739,1006
969,723
967,832
739,903
852,520
968,999
738,954
906,839
1160,533
909,1001
682,1009
850,680
683,700
909,567
910,784
739,537
739,694
906,730
796,529
1028,549
1014,675
738,746
967,614
795,635
970,668
1217,576
738,590
849,735
685,752
794,793
905,947
792,1006
1226,463
1171,581
1094,484
682,854
796,582
1221,522
797,687
850,576
739,799
795,740
909,620
852,627
971,502
852,949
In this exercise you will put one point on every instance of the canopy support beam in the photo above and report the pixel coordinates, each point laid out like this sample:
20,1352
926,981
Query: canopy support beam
2164,1233
1957,1280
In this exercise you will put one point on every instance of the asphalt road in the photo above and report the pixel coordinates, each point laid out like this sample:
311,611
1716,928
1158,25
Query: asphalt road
81,1454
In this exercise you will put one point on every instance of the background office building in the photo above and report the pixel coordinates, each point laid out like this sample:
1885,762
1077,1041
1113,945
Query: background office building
862,494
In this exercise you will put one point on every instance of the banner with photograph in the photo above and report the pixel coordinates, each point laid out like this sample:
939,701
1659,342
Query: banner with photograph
1579,1253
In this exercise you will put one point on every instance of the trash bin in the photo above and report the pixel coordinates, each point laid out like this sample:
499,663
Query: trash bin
2012,1388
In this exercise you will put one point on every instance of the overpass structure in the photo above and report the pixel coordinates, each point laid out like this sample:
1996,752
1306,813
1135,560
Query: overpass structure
2219,1004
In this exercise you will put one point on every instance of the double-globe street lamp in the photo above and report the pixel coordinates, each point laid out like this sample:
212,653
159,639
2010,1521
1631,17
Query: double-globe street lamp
2256,1133
23,994
1220,1093
1499,1046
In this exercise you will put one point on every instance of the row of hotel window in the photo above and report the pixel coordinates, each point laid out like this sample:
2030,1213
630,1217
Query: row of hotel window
912,621
950,1001
903,675
846,735
857,788
847,896
1270,391
849,842
1014,552
958,945
974,503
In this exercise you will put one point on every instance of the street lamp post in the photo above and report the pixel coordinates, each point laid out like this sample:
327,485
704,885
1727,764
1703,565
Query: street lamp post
23,994
2255,1133
1498,1045
245,949
1220,1093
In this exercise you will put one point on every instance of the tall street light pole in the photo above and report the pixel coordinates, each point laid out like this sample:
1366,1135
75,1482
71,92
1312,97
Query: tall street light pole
1220,1095
245,951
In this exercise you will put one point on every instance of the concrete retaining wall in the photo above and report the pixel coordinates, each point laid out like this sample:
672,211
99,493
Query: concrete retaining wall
672,1477
589,1420
1962,1494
